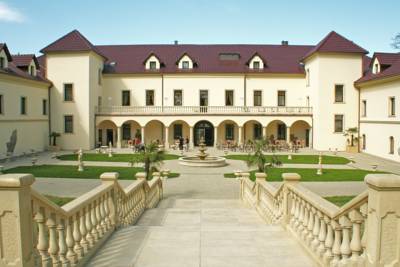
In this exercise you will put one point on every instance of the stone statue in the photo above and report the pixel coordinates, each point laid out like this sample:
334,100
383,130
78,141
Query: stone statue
319,171
110,150
80,160
12,143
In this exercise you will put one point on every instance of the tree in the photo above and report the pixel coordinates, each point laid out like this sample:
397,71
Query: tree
152,157
257,158
396,41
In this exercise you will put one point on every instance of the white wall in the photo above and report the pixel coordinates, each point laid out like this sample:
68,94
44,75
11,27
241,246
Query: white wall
32,128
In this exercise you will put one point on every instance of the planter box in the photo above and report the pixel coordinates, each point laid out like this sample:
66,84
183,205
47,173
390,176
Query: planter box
54,148
352,149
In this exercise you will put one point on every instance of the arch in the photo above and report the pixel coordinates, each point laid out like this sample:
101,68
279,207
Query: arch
229,131
106,133
204,129
176,129
253,130
391,145
153,132
130,129
276,130
300,133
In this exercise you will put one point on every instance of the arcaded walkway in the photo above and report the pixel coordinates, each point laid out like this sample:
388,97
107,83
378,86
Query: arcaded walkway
201,232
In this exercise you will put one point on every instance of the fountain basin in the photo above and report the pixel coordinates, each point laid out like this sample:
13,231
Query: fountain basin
209,161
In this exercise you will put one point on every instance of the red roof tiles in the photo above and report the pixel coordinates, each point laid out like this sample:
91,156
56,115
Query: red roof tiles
334,42
391,61
24,60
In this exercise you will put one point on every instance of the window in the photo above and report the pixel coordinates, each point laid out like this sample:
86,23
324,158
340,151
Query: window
153,65
229,131
392,106
1,104
339,123
257,131
364,108
281,98
68,124
126,97
256,65
177,97
281,131
364,142
149,97
391,145
68,94
185,64
339,98
229,56
23,106
307,77
99,77
229,98
126,131
32,70
257,98
178,131
44,106
2,63
376,68
99,101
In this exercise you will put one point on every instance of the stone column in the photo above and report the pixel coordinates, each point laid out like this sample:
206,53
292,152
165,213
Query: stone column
16,220
240,139
119,137
383,237
288,135
288,179
166,136
142,134
310,138
265,132
191,137
215,136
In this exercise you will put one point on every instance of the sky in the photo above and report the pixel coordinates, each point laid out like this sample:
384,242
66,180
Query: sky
29,25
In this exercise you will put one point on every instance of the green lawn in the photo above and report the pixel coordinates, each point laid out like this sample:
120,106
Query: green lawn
310,175
339,200
60,201
299,159
104,157
90,172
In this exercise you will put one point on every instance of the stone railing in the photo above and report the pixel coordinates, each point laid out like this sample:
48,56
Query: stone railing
199,110
36,232
364,232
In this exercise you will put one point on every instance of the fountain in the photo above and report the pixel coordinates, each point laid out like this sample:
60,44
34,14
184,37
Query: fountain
202,159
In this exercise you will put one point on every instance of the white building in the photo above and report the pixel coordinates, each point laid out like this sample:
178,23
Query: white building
292,93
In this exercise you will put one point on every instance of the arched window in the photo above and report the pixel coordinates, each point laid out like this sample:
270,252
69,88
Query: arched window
391,145
364,141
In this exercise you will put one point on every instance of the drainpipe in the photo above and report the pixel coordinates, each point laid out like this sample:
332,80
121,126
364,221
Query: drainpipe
244,86
358,120
162,92
49,111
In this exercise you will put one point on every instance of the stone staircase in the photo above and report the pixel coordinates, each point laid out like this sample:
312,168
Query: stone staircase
201,232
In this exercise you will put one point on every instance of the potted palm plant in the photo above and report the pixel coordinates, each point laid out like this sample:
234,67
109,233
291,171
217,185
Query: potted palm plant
152,158
54,146
352,139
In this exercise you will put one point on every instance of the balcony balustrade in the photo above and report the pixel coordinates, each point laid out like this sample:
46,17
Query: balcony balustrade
200,110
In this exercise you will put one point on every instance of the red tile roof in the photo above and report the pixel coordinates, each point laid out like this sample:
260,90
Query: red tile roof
366,63
334,42
392,63
129,58
73,41
24,60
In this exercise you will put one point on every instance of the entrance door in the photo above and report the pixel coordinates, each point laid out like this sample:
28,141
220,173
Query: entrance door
203,100
110,136
204,129
307,137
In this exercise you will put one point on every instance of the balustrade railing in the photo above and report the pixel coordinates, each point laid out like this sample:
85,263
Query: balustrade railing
333,236
71,234
193,110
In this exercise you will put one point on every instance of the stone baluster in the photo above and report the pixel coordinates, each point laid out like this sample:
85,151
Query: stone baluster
107,210
71,255
307,211
93,219
35,233
103,213
345,250
99,226
62,244
296,212
315,241
327,257
336,243
321,237
111,196
89,236
76,233
310,226
289,179
364,212
53,242
301,217
293,208
43,243
82,229
355,244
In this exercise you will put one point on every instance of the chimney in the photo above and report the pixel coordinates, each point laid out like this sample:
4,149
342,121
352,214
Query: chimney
285,42
175,42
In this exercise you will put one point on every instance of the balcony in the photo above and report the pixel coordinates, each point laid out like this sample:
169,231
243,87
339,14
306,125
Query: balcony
201,110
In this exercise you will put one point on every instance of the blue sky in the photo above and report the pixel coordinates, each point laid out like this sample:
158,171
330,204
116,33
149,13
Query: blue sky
29,25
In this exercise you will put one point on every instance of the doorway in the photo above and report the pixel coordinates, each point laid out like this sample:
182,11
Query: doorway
110,136
203,100
204,129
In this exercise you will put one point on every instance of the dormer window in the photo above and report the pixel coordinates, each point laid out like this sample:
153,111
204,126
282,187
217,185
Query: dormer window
185,64
376,68
256,65
32,71
153,65
256,62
